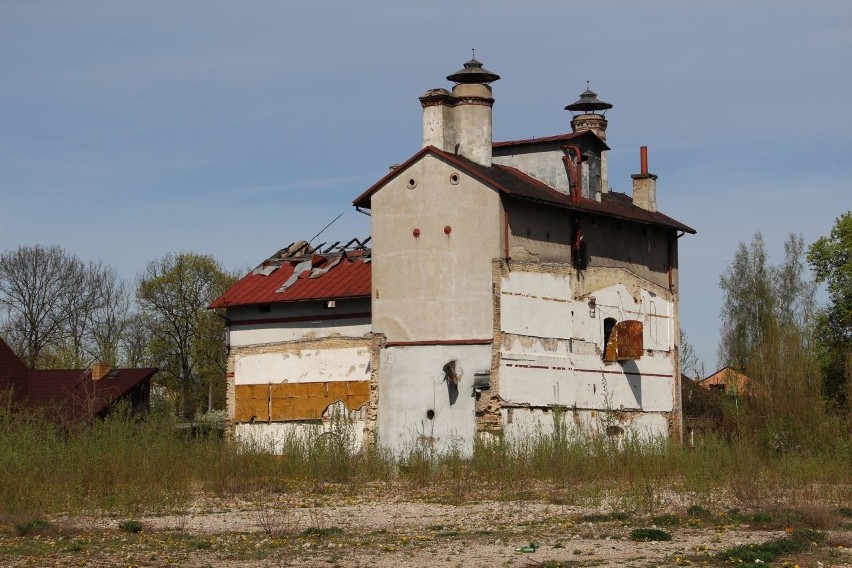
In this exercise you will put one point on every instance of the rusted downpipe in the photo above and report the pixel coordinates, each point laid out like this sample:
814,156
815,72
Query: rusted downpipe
574,170
672,243
506,211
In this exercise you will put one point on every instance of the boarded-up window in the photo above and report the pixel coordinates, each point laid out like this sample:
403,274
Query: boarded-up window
624,341
297,401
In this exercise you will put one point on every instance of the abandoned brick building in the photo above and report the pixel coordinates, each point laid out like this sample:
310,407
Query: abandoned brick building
500,280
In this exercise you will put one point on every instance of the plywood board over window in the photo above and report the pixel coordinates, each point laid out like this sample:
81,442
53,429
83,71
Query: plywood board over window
283,402
624,341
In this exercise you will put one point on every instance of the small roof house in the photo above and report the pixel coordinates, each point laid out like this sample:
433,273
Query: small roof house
72,395
728,381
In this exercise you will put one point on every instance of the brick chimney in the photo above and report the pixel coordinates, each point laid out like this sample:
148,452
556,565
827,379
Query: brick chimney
461,122
645,185
99,371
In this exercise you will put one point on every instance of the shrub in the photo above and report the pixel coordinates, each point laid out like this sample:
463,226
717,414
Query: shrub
645,535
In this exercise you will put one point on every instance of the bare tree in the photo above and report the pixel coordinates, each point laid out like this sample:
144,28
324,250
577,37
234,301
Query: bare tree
690,364
109,318
38,287
58,311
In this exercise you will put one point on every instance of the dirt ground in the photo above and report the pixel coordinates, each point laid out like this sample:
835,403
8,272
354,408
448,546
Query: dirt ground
397,530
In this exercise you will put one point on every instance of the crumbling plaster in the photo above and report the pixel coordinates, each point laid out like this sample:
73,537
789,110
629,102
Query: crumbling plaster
551,340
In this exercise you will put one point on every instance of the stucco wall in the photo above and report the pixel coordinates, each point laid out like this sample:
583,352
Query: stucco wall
552,341
252,325
436,285
411,383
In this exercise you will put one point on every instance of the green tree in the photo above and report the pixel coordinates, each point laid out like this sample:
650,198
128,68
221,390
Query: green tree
767,333
187,340
831,260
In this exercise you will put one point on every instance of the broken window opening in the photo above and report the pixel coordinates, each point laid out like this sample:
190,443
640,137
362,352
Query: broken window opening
450,373
613,430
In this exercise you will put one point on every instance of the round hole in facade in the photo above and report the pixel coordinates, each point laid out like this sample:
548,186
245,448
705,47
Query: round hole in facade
416,233
454,178
412,183
448,230
430,414
614,430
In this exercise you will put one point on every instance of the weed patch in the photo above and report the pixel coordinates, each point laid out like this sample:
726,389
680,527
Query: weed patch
649,534
753,555
33,527
130,526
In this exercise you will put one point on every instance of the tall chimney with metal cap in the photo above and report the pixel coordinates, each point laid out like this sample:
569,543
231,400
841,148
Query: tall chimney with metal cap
588,118
473,120
644,184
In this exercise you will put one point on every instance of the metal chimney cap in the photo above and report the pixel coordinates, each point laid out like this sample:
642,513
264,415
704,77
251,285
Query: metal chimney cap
589,102
473,72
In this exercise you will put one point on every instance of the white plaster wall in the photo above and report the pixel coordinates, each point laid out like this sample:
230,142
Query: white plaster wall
544,165
540,368
256,334
274,436
411,382
435,286
536,303
306,365
530,423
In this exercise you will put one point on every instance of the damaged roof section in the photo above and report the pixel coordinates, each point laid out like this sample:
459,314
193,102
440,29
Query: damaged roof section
302,272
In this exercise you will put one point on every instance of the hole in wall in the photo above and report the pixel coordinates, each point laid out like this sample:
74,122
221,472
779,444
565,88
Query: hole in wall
614,430
454,178
412,183
430,414
415,233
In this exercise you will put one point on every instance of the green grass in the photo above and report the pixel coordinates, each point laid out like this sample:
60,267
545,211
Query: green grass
645,535
130,526
117,466
755,555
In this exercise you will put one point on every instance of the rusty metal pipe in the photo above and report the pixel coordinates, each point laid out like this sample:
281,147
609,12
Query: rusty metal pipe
575,171
506,211
643,158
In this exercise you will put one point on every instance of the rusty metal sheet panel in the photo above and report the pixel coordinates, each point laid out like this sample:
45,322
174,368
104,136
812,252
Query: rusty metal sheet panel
629,338
297,401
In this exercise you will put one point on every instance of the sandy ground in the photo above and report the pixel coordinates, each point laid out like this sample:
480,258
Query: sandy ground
392,531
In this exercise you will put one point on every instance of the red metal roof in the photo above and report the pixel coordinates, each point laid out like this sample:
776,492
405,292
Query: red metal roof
349,278
71,392
74,393
511,182
13,372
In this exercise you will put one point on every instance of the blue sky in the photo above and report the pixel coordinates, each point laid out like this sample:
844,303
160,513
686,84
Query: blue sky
132,129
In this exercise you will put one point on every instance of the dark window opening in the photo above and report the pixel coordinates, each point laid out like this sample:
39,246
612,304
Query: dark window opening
614,430
609,346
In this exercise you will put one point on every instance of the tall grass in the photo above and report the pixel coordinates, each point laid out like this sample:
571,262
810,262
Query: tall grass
122,464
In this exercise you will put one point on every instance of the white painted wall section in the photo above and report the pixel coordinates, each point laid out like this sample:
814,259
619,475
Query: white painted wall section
306,365
258,334
537,304
411,383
